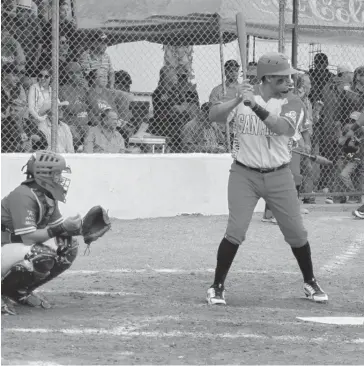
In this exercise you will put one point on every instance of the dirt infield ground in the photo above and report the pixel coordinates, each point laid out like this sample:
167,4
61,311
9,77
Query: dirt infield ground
139,298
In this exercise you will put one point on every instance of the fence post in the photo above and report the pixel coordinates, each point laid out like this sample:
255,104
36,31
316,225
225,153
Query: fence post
282,26
55,78
295,12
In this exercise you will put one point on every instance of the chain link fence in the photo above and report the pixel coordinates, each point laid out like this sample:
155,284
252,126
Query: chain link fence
146,86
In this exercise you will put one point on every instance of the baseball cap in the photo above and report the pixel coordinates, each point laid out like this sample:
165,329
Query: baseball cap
231,64
275,63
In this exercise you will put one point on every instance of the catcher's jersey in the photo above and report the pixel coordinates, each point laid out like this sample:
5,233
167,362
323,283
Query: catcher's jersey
25,209
254,144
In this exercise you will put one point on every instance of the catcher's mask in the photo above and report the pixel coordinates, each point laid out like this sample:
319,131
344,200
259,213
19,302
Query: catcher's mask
46,168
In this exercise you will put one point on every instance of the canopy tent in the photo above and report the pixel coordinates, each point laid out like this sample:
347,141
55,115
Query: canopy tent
181,22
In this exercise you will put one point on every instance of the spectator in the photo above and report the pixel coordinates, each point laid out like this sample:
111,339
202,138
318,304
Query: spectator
67,28
188,93
123,81
64,135
76,113
40,96
201,136
320,76
303,90
325,131
104,138
13,94
97,58
169,115
99,98
231,69
11,50
28,32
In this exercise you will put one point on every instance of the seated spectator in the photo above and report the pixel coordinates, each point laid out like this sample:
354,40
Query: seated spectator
97,58
169,113
27,139
201,136
64,135
76,113
99,98
320,76
188,94
40,96
11,50
104,138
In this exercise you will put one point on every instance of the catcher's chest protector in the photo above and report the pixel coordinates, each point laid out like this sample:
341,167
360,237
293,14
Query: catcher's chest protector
46,209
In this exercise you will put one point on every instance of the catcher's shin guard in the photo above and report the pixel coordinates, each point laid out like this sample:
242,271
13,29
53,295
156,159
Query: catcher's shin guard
36,266
66,253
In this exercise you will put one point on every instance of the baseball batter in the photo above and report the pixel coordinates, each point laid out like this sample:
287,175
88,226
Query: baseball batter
29,217
261,169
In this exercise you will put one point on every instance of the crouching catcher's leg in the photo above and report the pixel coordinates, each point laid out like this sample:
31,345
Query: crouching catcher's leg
39,266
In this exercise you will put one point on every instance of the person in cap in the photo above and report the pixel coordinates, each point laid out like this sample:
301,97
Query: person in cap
267,116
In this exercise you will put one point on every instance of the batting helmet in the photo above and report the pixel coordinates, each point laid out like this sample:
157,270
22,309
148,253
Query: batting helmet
274,64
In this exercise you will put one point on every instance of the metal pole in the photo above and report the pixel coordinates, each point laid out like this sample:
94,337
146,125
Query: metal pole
223,81
295,12
282,26
55,59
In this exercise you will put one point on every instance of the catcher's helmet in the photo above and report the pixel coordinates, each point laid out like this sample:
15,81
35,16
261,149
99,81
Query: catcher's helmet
46,168
274,64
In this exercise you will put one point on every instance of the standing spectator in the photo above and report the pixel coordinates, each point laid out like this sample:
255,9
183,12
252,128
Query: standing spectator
64,135
169,113
75,90
96,58
123,81
231,69
11,50
320,76
200,135
104,138
99,98
303,90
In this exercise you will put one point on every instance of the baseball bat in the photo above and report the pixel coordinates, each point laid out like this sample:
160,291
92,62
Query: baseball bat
315,158
242,38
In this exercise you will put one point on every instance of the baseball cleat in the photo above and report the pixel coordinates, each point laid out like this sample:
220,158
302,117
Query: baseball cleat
358,214
7,306
314,292
34,300
272,220
216,295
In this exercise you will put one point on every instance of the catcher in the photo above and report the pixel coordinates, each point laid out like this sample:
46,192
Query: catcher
30,217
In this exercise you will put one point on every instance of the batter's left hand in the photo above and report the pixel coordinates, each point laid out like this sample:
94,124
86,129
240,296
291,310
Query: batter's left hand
245,93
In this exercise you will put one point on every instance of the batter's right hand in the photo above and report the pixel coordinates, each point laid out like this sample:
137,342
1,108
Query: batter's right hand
245,91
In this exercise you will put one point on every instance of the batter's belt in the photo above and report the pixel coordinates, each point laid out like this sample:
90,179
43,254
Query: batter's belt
262,170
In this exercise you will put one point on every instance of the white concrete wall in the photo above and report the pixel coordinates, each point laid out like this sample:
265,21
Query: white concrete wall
138,186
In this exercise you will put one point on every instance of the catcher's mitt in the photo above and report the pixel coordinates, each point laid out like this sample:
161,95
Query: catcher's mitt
95,224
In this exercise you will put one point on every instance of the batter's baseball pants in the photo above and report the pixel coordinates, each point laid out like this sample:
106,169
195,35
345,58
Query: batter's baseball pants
278,189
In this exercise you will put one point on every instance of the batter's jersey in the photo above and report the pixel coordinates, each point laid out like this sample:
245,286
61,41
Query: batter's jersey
25,209
254,144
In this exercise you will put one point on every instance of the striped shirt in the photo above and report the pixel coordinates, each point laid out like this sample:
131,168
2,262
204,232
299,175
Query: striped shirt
102,62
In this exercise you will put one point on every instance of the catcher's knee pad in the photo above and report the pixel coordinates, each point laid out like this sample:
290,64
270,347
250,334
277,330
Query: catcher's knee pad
35,267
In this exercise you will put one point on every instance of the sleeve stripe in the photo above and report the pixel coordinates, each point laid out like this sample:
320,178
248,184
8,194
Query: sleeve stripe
59,221
290,121
26,230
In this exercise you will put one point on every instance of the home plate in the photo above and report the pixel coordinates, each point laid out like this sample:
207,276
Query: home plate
337,320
